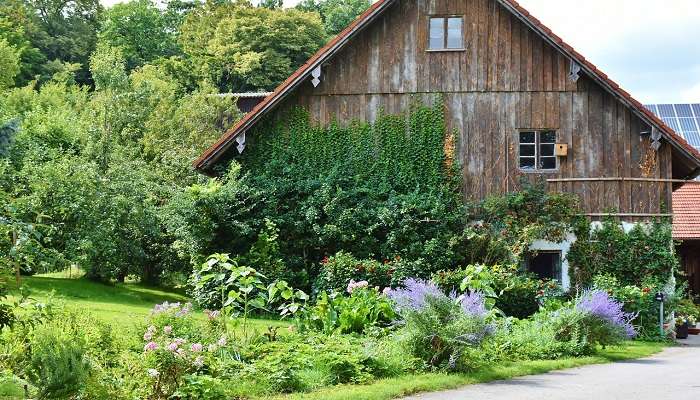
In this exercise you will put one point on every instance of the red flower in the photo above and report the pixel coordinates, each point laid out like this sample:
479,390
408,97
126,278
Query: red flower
325,260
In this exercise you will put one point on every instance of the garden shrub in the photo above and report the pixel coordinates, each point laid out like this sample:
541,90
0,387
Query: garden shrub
362,309
440,329
58,365
201,387
517,293
633,258
640,300
534,338
594,319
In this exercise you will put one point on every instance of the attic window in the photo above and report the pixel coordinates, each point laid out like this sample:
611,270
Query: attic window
445,33
536,151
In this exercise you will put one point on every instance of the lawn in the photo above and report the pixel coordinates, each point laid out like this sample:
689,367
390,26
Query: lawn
120,304
386,389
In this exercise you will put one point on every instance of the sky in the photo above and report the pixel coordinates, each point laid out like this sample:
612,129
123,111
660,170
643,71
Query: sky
650,47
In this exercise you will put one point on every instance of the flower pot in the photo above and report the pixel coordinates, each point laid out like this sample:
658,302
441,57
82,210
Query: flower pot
682,331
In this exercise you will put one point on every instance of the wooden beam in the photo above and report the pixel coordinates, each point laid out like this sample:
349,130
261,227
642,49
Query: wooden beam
620,179
627,215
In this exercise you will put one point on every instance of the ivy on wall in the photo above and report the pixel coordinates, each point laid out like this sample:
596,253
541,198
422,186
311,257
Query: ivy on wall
405,152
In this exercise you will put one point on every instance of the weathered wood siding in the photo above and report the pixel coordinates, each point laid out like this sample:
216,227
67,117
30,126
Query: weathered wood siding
506,79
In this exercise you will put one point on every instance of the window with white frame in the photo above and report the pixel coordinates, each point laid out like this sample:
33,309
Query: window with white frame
536,150
445,33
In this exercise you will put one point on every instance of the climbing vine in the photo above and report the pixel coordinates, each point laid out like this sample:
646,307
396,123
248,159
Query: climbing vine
406,152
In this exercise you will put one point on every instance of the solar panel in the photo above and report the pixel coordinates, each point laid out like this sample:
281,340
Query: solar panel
696,110
684,111
682,118
666,111
693,138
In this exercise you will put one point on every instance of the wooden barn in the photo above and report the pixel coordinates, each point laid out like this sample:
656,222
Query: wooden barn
524,104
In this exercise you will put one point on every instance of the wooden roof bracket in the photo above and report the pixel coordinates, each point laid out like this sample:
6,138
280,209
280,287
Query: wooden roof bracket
574,71
316,76
240,142
655,138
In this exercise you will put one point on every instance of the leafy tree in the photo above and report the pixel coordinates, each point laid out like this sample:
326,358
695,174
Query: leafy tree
9,64
241,48
140,29
335,14
16,33
66,30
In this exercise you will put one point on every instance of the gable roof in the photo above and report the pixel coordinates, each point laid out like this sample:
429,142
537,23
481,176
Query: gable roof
211,155
686,213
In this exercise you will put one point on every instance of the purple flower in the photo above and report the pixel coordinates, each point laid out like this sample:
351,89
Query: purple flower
196,347
150,346
412,296
173,346
600,304
473,304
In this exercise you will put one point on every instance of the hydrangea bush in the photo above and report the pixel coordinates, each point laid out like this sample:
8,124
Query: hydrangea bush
176,345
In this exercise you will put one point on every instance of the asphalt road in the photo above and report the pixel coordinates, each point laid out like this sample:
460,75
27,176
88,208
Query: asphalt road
673,374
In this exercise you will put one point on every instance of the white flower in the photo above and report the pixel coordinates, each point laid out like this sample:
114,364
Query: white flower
153,372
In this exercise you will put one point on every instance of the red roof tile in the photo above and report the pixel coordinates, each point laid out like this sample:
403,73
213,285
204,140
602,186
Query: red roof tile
686,212
214,152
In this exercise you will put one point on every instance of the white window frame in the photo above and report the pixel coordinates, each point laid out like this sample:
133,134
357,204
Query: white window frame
537,156
445,31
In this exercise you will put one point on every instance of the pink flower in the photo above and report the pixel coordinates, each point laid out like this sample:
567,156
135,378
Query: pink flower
198,362
150,346
173,346
167,329
148,335
153,372
356,285
196,347
222,342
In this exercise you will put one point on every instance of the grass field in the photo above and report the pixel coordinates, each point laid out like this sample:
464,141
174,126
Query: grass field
120,304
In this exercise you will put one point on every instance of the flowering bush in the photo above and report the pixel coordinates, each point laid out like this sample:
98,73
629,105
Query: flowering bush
595,318
601,305
441,329
175,345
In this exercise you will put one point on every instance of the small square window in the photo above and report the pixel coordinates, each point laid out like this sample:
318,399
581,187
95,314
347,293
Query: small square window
545,264
536,150
445,33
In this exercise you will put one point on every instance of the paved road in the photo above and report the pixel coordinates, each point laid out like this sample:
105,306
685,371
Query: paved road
673,374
